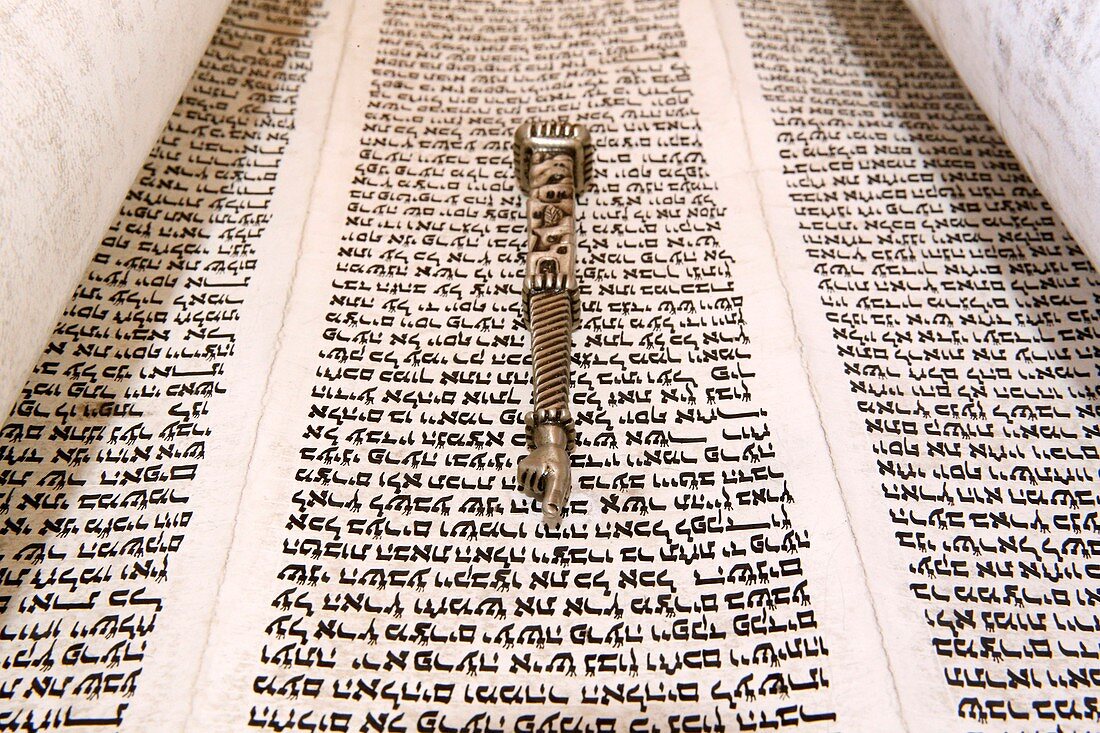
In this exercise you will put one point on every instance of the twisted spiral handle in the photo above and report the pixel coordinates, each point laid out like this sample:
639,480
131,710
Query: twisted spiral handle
551,343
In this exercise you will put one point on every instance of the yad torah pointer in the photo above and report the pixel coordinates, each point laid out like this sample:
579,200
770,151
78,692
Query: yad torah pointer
553,163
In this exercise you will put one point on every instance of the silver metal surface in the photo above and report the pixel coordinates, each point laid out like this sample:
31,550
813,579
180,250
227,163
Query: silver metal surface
553,163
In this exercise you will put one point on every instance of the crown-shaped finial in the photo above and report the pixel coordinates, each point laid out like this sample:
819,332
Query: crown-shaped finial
553,138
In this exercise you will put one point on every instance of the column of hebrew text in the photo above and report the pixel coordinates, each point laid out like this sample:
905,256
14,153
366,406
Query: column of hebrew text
950,324
387,573
123,460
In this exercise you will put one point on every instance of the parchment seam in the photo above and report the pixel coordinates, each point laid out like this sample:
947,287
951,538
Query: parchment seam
266,394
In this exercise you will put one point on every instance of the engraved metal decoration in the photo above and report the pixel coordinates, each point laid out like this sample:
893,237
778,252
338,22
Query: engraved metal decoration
553,162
